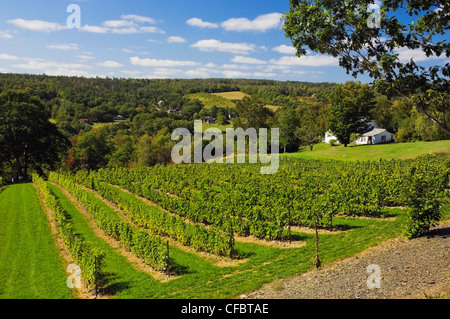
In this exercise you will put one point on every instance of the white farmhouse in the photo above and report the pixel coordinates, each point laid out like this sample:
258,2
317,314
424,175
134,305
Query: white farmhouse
376,135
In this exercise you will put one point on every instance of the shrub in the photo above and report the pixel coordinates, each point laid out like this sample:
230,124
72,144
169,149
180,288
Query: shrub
333,142
424,207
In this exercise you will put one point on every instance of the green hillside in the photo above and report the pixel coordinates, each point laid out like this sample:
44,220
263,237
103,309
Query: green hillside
209,100
374,152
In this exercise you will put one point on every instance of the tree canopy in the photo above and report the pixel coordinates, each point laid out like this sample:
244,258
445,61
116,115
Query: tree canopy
368,39
27,138
350,110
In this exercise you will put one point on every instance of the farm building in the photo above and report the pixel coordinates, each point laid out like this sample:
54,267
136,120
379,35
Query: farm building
375,135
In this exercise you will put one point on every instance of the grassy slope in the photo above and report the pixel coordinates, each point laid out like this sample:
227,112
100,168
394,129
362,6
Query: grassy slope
210,100
374,152
30,266
225,99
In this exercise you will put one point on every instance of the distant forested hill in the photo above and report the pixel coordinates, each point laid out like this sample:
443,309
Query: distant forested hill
93,92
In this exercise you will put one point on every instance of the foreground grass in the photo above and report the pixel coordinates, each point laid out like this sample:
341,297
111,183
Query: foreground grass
30,266
374,152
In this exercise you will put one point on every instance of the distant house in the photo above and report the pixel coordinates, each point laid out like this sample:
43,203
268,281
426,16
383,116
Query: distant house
119,118
209,120
375,135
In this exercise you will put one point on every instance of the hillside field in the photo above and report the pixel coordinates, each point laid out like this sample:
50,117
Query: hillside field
225,99
373,152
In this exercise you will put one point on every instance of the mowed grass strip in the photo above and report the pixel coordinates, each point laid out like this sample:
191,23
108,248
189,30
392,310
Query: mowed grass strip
30,265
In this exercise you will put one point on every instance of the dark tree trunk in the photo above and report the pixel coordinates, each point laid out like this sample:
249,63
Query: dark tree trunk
317,263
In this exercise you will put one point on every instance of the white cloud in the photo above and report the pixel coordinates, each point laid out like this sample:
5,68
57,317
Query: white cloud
94,29
151,30
285,49
308,60
121,30
5,35
56,68
262,23
212,45
164,73
264,75
196,22
175,39
138,18
9,57
110,64
198,73
118,24
247,60
129,30
84,57
127,50
64,47
37,25
405,55
235,74
235,66
39,64
161,63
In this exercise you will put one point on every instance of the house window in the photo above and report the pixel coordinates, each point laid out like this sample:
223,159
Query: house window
383,138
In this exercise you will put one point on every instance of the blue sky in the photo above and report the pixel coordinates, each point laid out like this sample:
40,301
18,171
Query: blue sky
156,39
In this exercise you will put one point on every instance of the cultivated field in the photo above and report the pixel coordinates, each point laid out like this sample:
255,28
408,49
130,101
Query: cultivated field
200,231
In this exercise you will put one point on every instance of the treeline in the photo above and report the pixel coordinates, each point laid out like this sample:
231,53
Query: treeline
83,108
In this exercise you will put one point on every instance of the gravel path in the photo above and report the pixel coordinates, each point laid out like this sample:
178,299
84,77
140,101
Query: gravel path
408,269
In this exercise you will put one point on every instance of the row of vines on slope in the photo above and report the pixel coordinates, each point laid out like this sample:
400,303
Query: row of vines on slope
151,249
264,205
161,223
88,258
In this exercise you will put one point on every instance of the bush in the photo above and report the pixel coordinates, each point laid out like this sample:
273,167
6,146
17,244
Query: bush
422,198
333,142
1,182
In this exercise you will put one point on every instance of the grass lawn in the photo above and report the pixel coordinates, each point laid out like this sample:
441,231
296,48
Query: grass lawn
30,265
374,152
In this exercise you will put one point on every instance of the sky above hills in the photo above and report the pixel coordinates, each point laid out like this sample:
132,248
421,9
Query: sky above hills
156,39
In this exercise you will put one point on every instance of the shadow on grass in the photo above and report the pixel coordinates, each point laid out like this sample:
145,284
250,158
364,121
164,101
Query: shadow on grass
177,269
111,289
